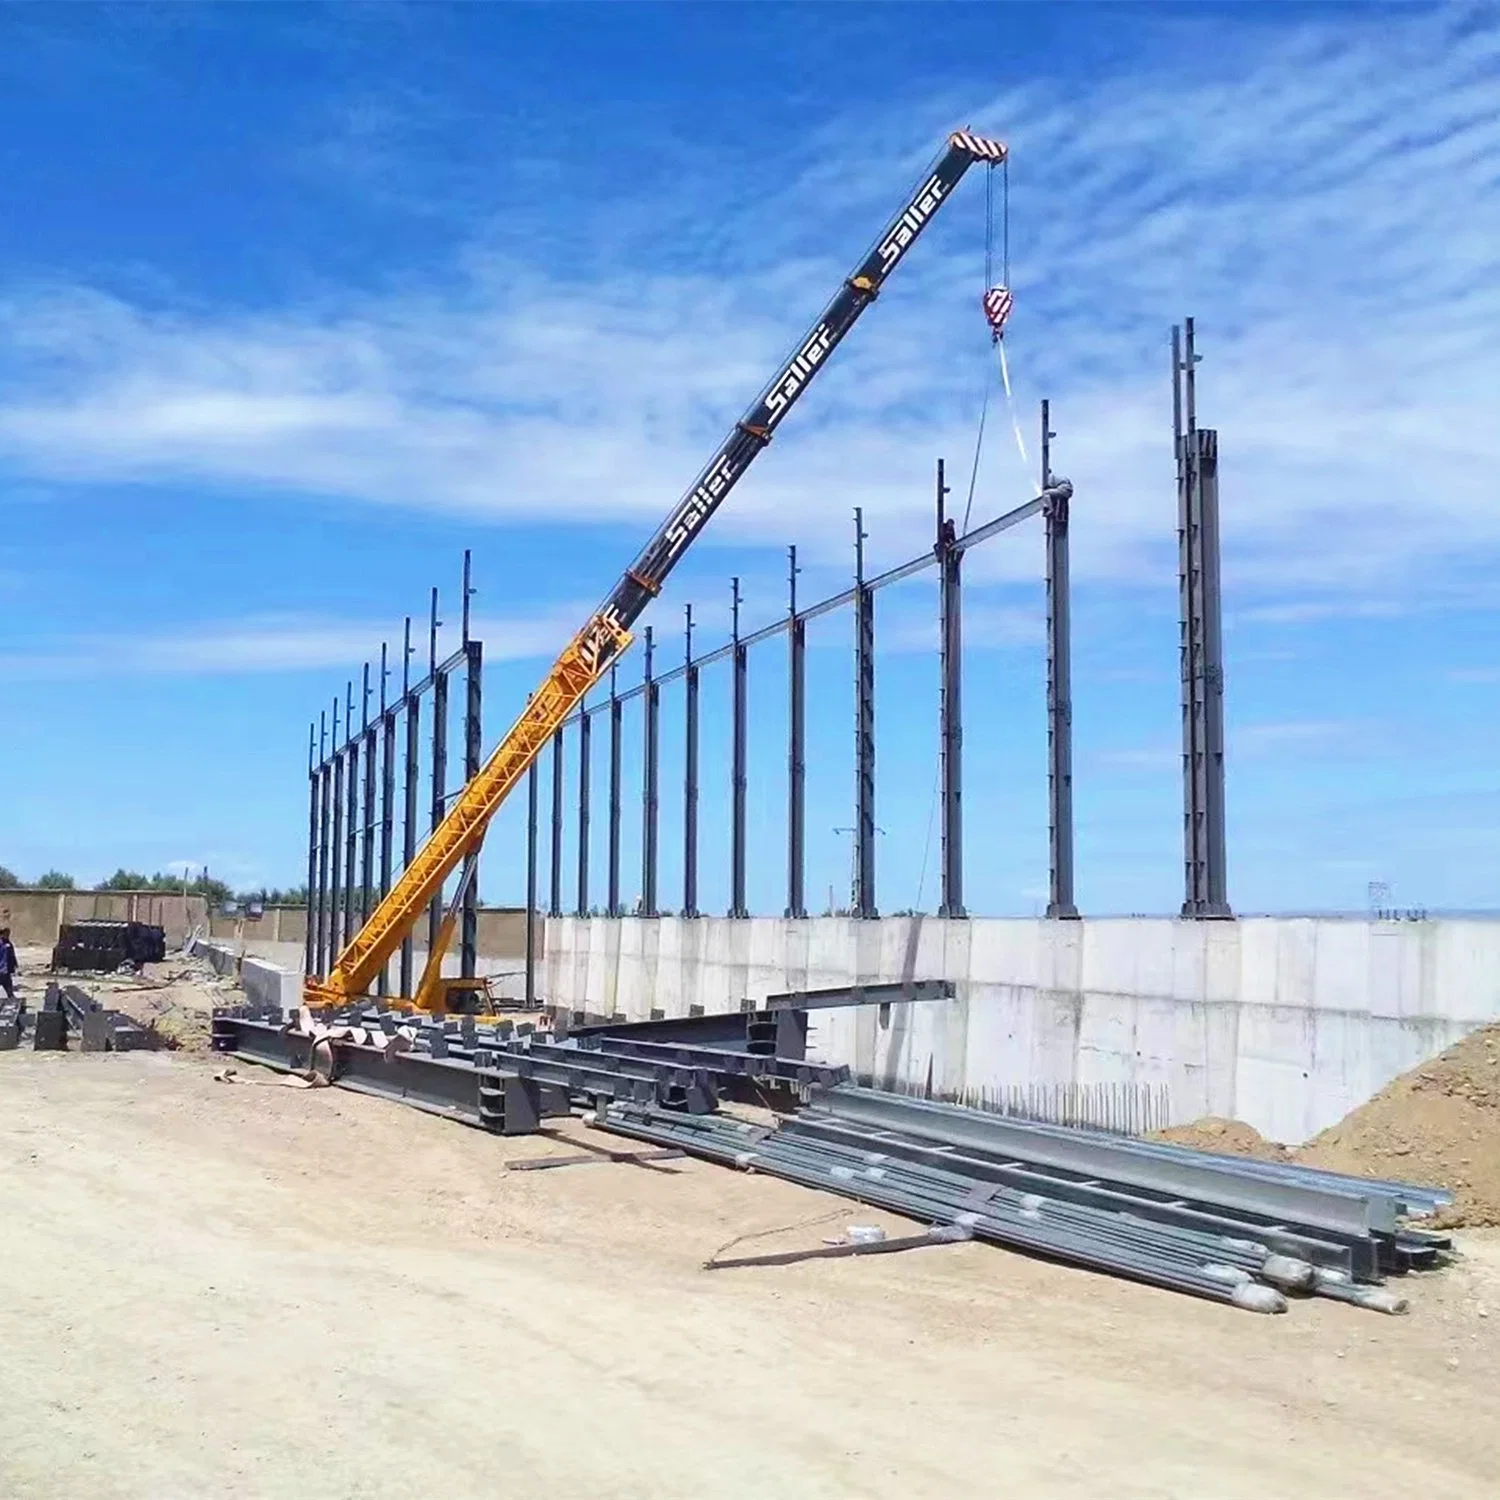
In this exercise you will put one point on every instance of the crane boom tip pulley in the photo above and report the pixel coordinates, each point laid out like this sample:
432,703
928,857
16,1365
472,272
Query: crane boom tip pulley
590,654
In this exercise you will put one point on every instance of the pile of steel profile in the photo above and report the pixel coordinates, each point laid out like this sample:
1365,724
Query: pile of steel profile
1242,1232
500,1075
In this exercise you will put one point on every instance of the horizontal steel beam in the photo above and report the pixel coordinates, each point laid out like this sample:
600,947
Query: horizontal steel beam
899,992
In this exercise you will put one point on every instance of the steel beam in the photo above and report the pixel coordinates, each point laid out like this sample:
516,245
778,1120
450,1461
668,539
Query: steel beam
439,807
351,824
864,730
738,764
320,964
1060,901
616,731
369,818
796,757
554,870
897,992
531,856
690,776
585,731
387,798
649,786
950,707
310,939
473,746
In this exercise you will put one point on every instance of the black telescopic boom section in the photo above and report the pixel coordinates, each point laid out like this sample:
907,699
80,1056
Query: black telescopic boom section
644,578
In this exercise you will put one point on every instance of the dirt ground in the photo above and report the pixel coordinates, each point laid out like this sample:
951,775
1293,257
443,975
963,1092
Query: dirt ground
248,1290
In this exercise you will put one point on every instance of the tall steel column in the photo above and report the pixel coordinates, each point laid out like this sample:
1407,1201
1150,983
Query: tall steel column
367,824
1059,690
438,800
649,788
796,755
312,848
387,798
554,906
336,851
468,943
409,791
1204,845
616,728
320,965
351,827
585,749
690,775
531,843
864,729
737,769
950,706
473,746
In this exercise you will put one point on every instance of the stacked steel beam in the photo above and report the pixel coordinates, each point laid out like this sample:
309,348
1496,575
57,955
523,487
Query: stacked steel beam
1168,1217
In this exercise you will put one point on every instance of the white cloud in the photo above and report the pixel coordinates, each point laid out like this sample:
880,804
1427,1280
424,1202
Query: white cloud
1322,195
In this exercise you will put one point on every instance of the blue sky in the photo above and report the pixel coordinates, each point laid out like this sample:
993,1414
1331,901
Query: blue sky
296,303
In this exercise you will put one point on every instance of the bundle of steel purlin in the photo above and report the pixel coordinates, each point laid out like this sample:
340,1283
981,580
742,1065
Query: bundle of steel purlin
501,1077
1224,1253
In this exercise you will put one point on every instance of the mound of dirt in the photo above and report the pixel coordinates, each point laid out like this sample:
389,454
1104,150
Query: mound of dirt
1229,1137
1438,1125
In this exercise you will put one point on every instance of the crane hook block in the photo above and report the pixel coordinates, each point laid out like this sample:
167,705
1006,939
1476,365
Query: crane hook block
998,302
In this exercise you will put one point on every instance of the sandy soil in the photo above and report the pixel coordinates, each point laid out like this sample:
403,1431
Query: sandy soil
245,1290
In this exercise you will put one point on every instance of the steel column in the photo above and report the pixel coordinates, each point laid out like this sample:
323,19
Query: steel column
864,729
367,825
531,843
737,768
409,792
616,725
351,828
336,850
387,796
585,749
796,756
950,706
473,746
1060,901
690,776
554,906
325,794
312,846
1204,854
439,786
649,787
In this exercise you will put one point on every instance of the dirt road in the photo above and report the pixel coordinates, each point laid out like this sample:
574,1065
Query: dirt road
238,1290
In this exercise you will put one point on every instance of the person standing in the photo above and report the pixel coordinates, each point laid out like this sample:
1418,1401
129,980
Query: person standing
9,965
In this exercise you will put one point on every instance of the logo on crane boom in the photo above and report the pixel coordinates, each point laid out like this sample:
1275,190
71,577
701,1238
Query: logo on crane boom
909,225
705,495
796,375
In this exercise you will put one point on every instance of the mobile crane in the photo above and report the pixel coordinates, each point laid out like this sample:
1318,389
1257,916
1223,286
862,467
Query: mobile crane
587,657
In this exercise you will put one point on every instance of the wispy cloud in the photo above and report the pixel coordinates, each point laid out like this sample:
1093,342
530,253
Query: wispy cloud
1322,195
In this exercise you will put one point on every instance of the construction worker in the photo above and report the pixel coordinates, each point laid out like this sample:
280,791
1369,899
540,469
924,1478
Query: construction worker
9,964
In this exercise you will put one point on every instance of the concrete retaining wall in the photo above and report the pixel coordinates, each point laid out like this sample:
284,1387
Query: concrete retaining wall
1287,1023
35,916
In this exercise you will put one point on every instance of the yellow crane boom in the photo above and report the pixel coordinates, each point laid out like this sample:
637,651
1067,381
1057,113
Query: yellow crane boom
586,658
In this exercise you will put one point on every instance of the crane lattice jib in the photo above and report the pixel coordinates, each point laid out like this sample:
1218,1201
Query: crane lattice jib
588,655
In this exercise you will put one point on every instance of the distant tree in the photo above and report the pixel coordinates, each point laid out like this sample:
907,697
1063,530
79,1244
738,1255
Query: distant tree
126,880
55,880
9,880
294,896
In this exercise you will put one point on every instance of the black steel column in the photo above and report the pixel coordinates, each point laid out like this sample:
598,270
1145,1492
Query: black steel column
387,799
1059,690
649,787
690,776
325,792
531,842
409,792
1204,854
312,846
336,850
351,828
738,777
473,745
950,706
367,827
616,726
796,756
554,907
864,729
439,787
585,737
